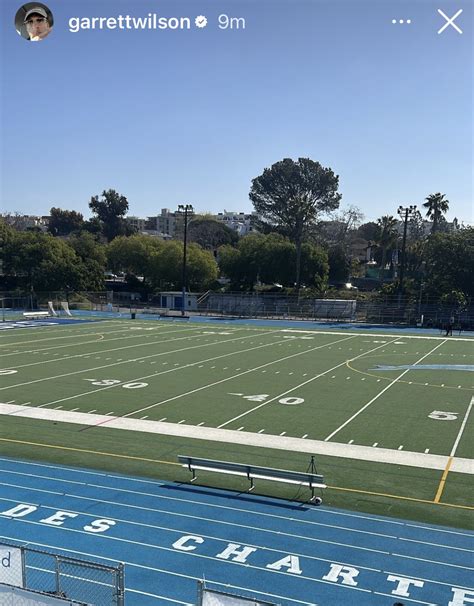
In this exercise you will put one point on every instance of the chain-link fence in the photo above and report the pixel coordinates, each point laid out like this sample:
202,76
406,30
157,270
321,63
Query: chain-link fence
15,596
389,309
64,577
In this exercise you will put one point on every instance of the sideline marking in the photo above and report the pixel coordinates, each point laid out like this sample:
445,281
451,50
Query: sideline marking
120,456
285,443
94,452
444,477
331,435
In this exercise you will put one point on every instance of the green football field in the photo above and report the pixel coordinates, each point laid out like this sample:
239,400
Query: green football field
386,416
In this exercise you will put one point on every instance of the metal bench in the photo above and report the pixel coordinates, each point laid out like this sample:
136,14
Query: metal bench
254,472
35,315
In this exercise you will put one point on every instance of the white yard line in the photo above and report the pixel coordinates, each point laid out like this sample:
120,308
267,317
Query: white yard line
387,335
331,435
330,449
62,330
76,344
164,372
461,430
94,368
231,378
281,395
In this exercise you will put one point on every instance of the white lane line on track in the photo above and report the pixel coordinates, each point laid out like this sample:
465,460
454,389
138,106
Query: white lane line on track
407,557
225,586
361,410
175,513
158,484
215,537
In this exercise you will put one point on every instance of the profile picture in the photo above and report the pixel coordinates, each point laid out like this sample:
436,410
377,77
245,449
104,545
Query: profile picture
34,21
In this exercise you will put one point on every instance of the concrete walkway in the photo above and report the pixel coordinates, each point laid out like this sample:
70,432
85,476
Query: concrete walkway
330,449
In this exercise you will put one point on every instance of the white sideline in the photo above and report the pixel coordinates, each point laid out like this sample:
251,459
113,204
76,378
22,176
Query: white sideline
330,449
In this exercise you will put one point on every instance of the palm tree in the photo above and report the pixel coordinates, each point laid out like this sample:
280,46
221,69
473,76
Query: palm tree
437,206
386,237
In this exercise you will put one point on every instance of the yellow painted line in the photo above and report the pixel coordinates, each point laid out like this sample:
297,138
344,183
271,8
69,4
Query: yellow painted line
439,492
399,497
119,456
368,374
95,452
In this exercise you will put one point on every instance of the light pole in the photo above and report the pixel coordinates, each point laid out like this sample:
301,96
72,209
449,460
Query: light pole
184,209
404,212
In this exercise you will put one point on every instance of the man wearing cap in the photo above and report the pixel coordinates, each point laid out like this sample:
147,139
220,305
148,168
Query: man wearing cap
37,24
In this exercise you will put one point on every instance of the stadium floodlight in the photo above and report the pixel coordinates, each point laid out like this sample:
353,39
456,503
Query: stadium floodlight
405,212
184,209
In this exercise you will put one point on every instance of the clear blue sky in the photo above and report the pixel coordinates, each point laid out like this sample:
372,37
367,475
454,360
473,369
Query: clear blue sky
167,117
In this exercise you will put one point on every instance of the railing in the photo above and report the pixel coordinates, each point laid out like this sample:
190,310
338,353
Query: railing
64,577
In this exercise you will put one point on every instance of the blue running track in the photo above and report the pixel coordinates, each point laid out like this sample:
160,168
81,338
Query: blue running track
171,535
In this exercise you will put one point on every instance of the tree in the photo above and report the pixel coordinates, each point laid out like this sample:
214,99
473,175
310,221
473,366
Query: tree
93,257
277,257
368,231
63,222
449,260
243,264
133,255
386,238
344,224
167,262
111,211
270,259
202,268
44,263
339,264
314,266
210,234
437,206
291,195
416,227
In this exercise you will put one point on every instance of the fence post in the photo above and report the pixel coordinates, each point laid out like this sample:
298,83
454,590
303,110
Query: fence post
121,585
